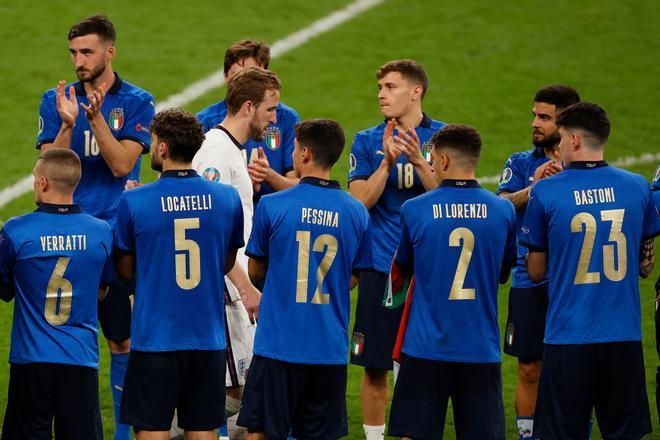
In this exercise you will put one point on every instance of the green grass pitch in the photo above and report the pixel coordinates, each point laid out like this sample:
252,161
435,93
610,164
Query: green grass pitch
484,59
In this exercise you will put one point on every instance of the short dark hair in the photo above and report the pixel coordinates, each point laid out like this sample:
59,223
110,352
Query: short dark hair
463,139
411,70
324,137
62,167
181,131
251,85
558,95
247,48
588,117
97,24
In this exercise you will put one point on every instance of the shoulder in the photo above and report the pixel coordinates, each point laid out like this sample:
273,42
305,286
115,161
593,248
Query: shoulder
500,203
287,113
135,92
97,224
437,125
370,135
519,157
212,110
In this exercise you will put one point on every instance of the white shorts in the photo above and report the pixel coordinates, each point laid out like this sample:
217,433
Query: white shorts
240,341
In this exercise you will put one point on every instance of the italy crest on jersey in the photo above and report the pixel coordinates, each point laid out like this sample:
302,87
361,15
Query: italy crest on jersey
116,119
211,174
273,138
426,150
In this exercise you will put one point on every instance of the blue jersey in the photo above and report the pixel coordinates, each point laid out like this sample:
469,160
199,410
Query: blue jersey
591,220
56,258
128,111
458,238
277,143
180,229
518,174
313,236
402,184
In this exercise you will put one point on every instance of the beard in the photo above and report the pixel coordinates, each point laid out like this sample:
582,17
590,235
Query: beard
91,75
255,132
548,142
155,165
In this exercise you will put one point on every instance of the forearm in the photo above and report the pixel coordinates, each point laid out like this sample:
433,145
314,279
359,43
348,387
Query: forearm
63,139
369,191
518,198
537,265
279,182
256,270
119,158
239,278
426,174
647,258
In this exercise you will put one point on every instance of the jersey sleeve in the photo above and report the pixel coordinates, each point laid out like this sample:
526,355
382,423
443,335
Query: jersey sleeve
7,257
108,274
510,250
259,237
404,254
512,178
359,160
49,120
534,232
288,135
124,239
651,217
363,258
136,127
211,166
237,241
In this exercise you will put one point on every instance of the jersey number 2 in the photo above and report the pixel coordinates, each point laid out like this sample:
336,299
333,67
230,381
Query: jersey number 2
457,290
323,242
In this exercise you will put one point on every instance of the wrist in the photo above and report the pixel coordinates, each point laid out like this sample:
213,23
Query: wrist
66,126
386,165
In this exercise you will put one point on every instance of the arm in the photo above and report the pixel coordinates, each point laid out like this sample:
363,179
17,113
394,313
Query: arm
520,198
355,279
257,270
67,108
6,291
647,258
260,171
103,292
409,140
120,156
125,264
537,265
249,294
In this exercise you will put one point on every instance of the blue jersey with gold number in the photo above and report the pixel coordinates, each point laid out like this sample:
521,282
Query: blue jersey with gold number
591,220
128,111
180,229
518,174
458,238
313,236
402,184
56,258
277,143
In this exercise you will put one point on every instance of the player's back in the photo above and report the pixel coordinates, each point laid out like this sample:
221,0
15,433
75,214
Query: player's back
458,236
59,258
183,227
317,234
596,217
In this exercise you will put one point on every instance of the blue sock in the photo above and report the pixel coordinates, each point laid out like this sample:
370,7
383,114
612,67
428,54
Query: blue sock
591,428
525,427
222,431
118,364
290,436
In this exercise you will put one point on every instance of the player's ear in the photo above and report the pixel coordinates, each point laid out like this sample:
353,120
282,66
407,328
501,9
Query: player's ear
247,108
44,184
576,140
416,92
110,54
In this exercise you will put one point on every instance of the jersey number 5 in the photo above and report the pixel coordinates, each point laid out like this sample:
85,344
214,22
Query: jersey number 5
585,222
187,265
323,242
58,289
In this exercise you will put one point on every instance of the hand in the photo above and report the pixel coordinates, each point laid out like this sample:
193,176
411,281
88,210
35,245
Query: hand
409,141
95,102
66,107
130,184
259,169
546,169
251,298
391,150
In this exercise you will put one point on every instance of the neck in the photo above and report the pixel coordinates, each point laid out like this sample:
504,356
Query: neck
57,199
238,127
459,174
107,77
585,155
174,165
552,153
315,172
411,119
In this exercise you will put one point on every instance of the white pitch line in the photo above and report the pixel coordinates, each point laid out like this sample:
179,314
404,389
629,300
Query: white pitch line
216,79
623,162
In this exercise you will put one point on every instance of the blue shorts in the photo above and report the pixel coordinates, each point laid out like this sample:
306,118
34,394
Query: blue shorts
577,378
376,326
192,381
309,400
525,326
422,392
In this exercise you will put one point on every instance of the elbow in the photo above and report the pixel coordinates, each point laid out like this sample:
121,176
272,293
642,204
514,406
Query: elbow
120,171
645,271
535,275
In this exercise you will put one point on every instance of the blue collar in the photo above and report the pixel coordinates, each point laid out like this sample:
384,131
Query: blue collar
587,165
426,121
54,208
454,183
80,88
179,173
323,183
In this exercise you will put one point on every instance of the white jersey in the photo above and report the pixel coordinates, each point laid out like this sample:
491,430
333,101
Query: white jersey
220,159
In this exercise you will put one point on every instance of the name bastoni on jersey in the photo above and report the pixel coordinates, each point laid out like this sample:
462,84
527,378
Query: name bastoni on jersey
460,210
594,196
186,203
319,217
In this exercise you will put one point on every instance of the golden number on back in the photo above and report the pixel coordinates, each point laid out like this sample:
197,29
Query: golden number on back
60,289
190,260
325,242
457,291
